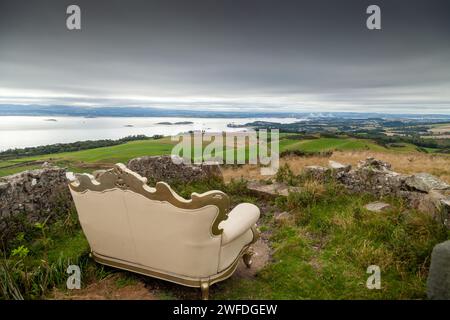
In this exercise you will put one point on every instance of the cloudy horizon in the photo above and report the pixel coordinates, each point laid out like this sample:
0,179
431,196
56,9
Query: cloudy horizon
224,55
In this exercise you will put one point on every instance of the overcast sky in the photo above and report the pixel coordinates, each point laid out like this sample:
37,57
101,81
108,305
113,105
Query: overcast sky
228,55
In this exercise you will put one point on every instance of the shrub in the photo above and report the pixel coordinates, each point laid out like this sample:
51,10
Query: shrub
285,174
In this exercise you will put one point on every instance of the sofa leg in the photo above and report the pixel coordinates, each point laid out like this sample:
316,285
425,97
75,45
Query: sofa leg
204,286
247,257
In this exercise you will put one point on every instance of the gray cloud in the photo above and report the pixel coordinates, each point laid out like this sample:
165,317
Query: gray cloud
225,54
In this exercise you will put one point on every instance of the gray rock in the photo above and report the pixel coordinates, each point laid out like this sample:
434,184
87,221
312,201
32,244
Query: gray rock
271,190
4,186
367,179
317,172
336,166
36,193
438,282
425,182
46,164
173,169
377,206
430,202
316,169
375,164
445,203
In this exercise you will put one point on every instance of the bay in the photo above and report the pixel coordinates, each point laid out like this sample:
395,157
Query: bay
32,131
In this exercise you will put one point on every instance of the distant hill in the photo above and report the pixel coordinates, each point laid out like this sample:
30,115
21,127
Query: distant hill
89,112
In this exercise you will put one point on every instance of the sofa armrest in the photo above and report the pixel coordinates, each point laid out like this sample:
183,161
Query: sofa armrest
241,219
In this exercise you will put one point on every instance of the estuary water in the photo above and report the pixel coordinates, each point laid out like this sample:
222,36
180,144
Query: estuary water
25,131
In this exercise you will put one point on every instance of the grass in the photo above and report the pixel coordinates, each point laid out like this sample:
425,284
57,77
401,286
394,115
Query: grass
36,260
441,127
118,153
324,249
326,144
14,170
105,155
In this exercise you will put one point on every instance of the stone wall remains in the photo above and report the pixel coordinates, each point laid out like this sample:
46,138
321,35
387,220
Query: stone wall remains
422,191
37,195
172,170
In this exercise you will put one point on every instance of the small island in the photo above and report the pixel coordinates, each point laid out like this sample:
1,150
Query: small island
175,123
184,122
253,124
51,120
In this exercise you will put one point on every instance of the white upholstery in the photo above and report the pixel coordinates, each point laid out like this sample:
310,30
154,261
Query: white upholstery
172,239
240,219
229,251
161,237
104,223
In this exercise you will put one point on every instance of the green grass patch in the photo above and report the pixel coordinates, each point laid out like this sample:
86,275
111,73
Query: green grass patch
14,170
324,250
325,144
36,260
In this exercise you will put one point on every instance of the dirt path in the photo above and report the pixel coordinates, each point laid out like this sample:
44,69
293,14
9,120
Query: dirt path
108,289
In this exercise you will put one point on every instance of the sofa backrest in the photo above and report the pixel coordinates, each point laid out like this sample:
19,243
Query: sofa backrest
123,218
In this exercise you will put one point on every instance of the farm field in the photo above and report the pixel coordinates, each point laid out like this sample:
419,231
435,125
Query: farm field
91,159
440,128
99,156
327,144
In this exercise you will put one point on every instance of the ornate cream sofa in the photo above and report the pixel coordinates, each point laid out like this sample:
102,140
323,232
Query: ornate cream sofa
155,232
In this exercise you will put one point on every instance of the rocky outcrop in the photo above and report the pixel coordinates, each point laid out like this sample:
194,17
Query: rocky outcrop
37,194
438,282
425,182
172,169
374,164
422,191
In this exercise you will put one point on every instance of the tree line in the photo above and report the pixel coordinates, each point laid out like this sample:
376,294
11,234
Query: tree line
69,147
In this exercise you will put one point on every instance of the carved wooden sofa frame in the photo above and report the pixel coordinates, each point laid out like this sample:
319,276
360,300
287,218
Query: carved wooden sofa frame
97,199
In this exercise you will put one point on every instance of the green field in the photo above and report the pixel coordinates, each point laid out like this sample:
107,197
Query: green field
326,144
87,160
105,155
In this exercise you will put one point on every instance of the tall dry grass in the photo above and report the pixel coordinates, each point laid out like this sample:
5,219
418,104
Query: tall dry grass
438,165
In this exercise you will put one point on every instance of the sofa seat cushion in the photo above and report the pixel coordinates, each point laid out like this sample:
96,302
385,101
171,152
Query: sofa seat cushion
230,251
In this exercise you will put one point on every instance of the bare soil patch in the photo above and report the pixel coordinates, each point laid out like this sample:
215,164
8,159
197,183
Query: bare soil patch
108,289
